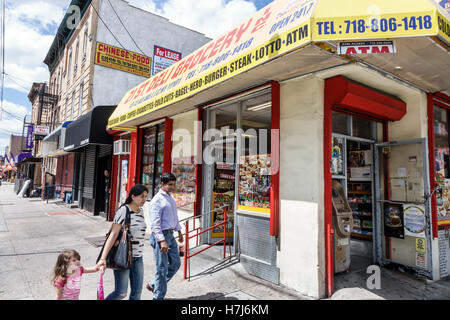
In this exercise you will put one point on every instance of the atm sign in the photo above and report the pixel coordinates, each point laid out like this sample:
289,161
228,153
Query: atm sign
366,47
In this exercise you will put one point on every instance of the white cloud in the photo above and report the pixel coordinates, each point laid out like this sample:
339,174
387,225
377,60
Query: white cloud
211,17
10,119
26,43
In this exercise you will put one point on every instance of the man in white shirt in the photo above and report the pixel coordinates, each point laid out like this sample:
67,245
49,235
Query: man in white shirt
163,222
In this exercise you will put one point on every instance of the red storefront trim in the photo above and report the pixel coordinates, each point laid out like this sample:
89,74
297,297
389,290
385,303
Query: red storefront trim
275,155
114,174
168,128
362,101
198,165
432,100
134,159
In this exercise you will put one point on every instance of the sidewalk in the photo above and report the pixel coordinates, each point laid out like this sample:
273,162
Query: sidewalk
32,233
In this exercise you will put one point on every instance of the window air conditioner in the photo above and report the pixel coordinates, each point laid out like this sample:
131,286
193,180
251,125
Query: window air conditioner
121,147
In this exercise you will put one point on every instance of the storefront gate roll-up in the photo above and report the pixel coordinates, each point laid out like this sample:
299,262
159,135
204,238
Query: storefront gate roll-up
89,174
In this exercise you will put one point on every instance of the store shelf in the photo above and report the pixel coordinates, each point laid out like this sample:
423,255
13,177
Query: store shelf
360,192
361,179
363,215
361,236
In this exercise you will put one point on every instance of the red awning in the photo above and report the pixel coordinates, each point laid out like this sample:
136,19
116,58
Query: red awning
357,98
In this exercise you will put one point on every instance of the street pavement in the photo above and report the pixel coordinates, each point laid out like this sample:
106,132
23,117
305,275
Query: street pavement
33,233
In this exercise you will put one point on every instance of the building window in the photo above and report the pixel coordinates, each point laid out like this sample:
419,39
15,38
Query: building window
75,66
80,108
85,42
73,104
60,81
353,126
69,66
66,113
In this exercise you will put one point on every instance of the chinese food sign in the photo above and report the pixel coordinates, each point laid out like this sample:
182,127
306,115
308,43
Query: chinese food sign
121,59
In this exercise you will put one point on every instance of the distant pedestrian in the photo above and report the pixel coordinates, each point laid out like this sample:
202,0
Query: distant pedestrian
164,221
135,201
67,275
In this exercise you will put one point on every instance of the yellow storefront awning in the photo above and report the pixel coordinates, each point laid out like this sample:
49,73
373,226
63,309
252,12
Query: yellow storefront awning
281,27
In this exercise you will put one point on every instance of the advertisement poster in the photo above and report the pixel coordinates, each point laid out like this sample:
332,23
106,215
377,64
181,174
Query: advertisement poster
337,157
121,59
414,219
393,221
421,260
184,170
164,58
220,200
123,181
443,202
444,252
254,183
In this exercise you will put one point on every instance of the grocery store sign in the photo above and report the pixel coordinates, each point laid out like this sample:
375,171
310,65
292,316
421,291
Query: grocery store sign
279,27
366,47
421,23
121,59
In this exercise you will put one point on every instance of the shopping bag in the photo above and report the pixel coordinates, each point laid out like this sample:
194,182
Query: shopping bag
100,291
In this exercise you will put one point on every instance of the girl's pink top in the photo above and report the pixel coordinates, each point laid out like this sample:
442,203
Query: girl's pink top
71,288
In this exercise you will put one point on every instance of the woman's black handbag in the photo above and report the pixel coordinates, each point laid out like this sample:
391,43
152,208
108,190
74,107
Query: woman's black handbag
120,257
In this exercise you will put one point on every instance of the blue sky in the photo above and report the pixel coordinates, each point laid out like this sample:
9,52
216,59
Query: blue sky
30,29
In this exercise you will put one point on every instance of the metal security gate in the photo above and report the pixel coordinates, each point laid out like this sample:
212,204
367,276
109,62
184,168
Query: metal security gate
89,172
402,183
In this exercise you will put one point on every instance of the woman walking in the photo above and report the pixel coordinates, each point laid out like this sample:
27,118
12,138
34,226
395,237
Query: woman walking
135,201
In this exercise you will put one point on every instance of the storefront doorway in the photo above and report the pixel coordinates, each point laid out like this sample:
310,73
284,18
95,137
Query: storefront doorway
236,170
236,130
386,185
352,167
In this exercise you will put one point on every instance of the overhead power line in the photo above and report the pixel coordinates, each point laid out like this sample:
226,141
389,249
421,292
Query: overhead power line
10,78
120,20
114,36
16,117
20,79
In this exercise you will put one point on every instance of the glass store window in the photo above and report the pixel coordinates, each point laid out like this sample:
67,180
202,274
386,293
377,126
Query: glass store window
254,165
353,126
442,172
152,158
241,148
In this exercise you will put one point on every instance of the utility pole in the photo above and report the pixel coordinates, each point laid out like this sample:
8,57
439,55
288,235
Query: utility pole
3,55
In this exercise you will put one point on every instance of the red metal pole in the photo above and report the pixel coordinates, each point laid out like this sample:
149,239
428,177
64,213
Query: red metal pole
186,248
224,231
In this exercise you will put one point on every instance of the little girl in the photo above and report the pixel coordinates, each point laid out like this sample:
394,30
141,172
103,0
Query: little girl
67,275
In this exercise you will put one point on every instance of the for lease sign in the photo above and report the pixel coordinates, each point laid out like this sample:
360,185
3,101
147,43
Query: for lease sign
164,58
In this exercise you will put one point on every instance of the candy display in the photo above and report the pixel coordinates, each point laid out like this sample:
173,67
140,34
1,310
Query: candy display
254,182
184,170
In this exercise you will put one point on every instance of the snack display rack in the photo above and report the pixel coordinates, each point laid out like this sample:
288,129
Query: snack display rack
352,166
184,170
223,195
